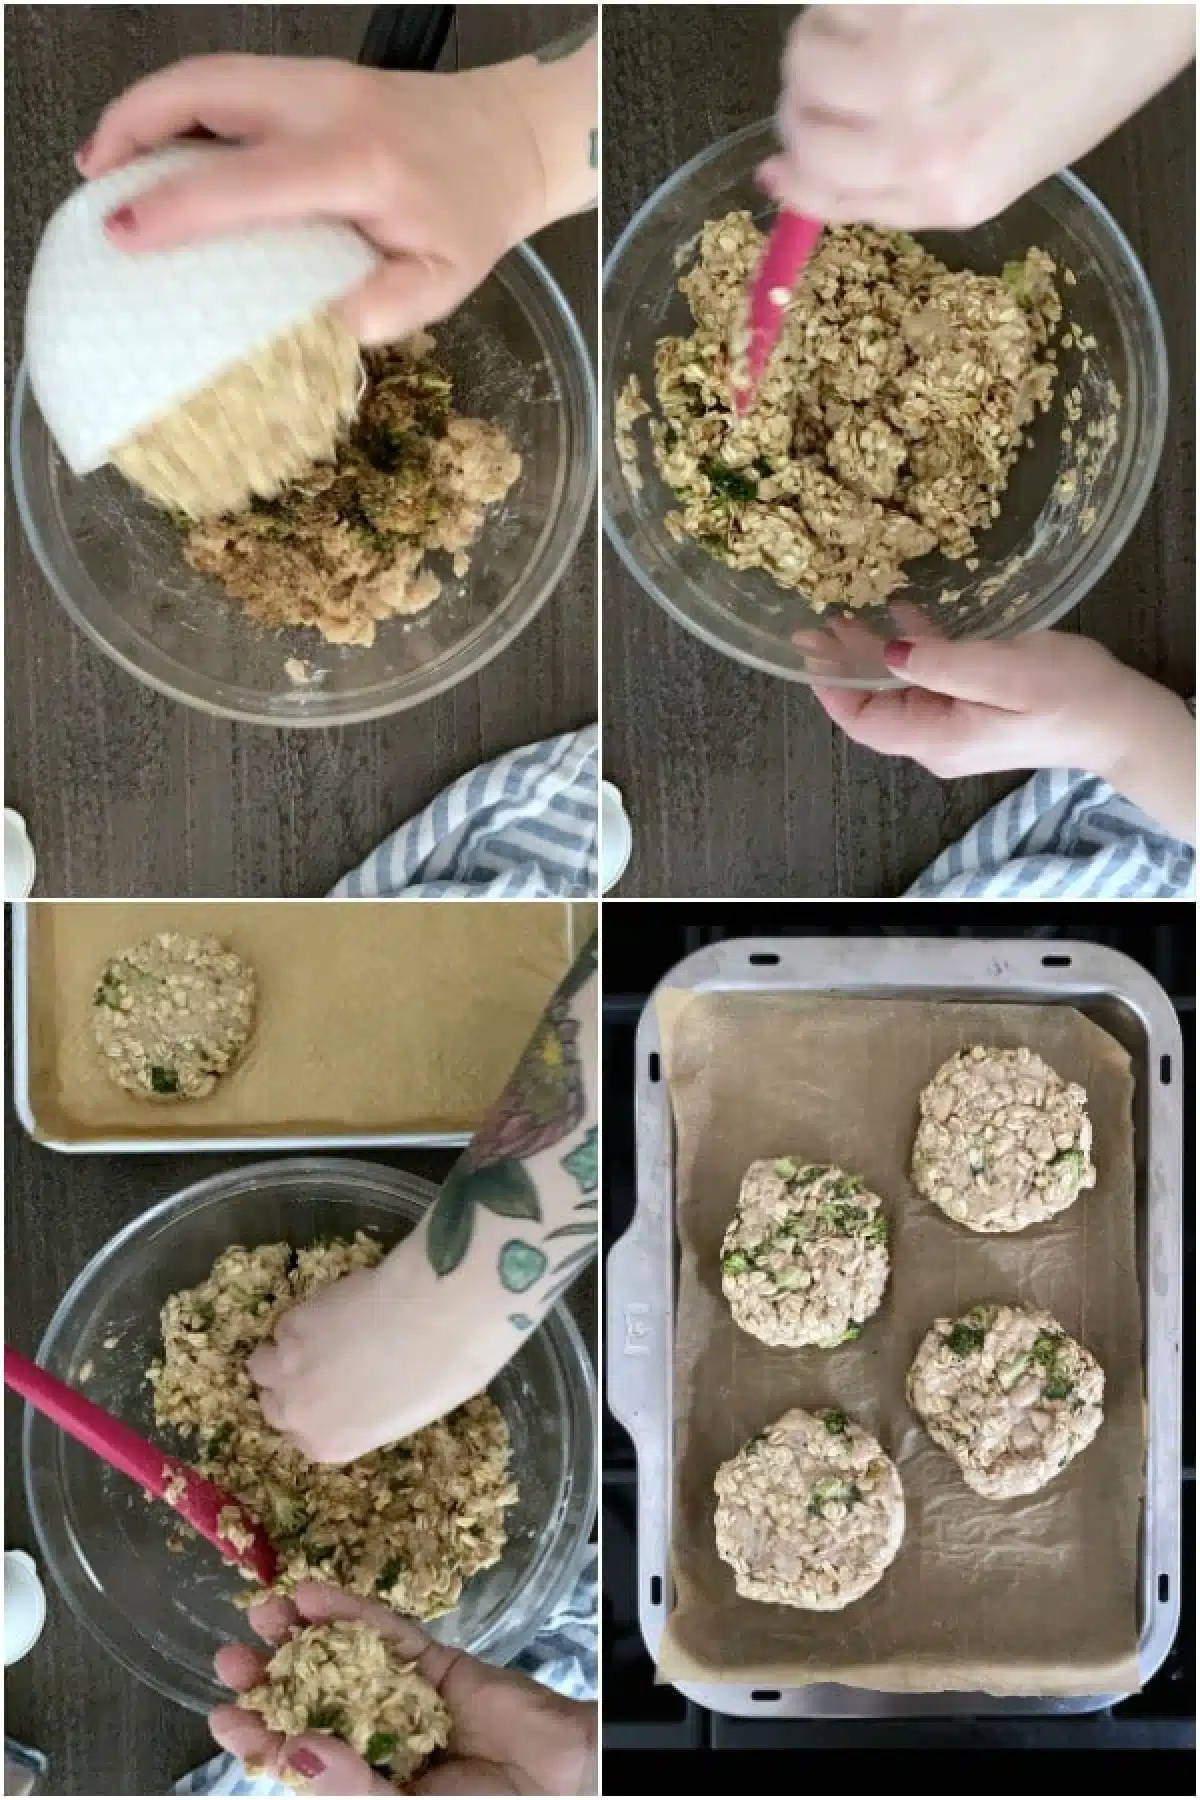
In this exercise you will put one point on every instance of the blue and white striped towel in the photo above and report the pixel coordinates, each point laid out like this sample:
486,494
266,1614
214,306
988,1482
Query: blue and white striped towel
1065,835
524,827
562,1656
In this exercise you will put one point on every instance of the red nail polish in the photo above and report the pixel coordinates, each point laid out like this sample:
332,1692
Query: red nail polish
121,220
897,653
306,1763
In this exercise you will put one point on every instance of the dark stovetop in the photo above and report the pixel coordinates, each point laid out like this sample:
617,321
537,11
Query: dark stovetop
641,1720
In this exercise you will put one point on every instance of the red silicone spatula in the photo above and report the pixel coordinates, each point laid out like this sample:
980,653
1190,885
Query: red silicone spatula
792,241
199,1501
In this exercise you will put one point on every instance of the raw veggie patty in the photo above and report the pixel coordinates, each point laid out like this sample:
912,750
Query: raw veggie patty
1009,1395
1004,1142
172,1015
805,1256
810,1512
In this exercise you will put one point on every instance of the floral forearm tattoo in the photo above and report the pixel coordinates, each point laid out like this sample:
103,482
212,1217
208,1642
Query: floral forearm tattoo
545,1103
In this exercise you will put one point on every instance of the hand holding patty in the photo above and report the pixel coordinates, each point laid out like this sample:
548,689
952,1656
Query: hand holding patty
509,1735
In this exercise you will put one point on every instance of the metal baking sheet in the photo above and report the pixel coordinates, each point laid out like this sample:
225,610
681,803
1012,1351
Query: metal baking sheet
1115,992
538,949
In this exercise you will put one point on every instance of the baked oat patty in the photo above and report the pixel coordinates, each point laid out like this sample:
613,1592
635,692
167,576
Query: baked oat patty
173,1014
809,1513
1008,1394
343,1677
805,1256
1003,1141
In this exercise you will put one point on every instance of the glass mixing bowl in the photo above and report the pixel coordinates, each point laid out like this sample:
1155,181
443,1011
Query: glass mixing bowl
164,1614
114,561
1046,549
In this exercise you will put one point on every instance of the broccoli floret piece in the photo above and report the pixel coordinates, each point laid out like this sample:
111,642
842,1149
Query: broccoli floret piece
730,484
834,1489
389,1575
325,1717
964,1338
380,1745
1045,1350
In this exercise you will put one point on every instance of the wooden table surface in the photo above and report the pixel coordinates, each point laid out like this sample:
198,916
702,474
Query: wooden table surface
103,1731
128,793
736,783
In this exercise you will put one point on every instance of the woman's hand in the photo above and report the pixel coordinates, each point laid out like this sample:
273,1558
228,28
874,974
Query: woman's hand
442,173
509,1734
939,117
374,1357
1048,700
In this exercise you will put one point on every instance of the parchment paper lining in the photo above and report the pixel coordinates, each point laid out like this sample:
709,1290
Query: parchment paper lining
1035,1596
374,1016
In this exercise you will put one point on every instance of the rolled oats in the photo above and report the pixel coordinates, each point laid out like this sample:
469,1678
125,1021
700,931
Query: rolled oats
345,1679
1008,1394
408,1524
887,421
1003,1142
810,1512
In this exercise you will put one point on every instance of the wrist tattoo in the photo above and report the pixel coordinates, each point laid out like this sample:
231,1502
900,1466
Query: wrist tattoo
543,1104
567,45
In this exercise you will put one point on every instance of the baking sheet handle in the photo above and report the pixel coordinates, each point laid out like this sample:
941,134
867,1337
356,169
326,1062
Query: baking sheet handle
638,1366
639,1326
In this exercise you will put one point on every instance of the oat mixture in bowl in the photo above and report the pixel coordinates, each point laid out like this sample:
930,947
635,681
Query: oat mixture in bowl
352,542
408,1524
162,1611
916,331
896,402
518,364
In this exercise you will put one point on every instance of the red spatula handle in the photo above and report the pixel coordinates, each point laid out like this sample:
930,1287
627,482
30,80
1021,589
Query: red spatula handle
792,241
200,1502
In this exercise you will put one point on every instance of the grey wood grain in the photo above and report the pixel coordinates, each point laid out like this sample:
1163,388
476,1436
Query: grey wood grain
737,784
125,792
104,1732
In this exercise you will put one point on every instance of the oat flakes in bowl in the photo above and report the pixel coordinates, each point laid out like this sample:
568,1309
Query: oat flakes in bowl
519,364
1072,495
408,1524
162,1611
895,404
